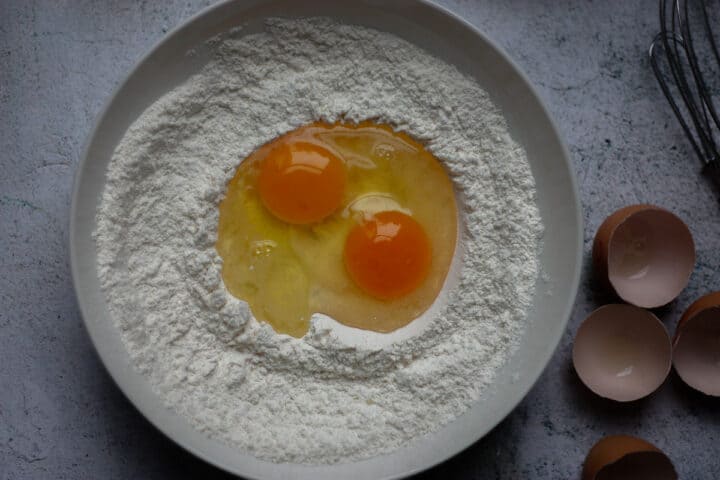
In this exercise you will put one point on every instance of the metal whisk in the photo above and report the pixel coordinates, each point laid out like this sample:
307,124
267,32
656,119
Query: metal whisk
686,61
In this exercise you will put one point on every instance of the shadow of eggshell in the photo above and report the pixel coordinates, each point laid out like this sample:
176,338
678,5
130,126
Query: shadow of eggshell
622,352
696,345
645,254
622,457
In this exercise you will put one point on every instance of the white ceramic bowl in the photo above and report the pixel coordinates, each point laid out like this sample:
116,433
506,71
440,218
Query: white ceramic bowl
447,37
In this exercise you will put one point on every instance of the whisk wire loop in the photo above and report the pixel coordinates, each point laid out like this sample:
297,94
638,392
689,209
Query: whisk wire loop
684,79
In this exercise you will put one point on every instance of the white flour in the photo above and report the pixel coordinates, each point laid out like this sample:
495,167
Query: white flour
336,394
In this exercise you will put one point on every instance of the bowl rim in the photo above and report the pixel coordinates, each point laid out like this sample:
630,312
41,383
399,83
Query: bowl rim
115,371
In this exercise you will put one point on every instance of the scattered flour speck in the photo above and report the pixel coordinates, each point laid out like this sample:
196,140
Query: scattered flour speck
317,399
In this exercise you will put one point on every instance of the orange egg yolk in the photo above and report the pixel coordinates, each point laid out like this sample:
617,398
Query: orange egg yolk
387,255
301,183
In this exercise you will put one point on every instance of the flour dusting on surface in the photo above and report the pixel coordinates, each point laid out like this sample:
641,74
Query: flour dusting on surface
318,399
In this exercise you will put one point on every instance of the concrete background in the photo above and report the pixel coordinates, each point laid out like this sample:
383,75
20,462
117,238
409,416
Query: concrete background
60,414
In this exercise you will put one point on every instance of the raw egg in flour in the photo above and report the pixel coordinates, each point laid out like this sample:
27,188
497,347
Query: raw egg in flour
357,222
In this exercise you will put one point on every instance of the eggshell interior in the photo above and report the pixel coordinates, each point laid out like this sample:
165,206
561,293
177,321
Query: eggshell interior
696,353
622,352
650,257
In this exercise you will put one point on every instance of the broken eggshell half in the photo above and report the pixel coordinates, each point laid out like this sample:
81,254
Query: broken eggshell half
696,345
622,352
622,457
645,254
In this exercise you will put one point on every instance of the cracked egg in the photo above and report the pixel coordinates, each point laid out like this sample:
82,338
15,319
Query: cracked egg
354,221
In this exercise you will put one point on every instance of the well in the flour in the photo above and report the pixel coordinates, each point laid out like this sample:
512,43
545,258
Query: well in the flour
354,221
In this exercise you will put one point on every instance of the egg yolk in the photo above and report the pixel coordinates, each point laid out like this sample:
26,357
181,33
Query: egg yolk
387,255
301,182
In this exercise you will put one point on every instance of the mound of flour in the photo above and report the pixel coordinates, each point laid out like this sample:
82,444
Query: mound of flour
318,399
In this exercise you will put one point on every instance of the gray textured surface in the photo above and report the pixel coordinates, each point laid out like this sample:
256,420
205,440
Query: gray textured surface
60,414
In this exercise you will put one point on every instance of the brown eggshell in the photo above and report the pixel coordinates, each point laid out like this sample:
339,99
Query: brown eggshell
645,254
622,457
696,345
622,352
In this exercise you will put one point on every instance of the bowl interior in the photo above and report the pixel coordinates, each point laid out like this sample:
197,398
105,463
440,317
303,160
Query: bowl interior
447,37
